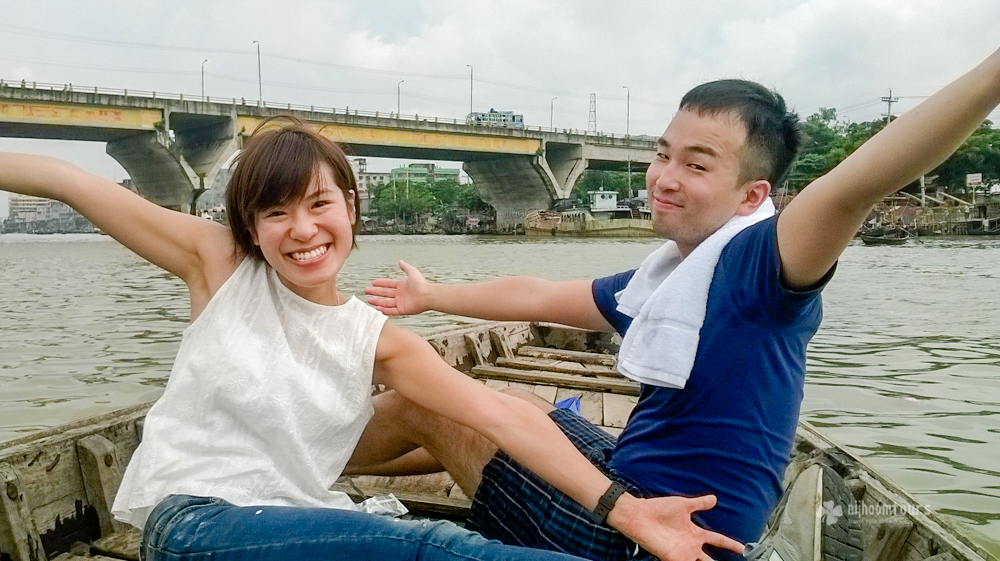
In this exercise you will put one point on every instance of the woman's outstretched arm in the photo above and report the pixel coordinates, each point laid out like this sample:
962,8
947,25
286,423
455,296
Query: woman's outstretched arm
190,247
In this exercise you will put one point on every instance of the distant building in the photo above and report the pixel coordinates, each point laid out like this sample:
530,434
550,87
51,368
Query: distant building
423,173
34,215
367,182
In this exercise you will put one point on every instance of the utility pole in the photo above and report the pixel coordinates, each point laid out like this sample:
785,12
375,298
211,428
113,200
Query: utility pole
397,97
203,79
889,101
551,107
260,83
470,88
592,118
628,141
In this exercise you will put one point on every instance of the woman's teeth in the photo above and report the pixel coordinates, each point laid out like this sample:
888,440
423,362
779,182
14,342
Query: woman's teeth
307,255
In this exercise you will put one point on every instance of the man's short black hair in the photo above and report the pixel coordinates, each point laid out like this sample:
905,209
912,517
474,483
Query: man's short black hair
773,136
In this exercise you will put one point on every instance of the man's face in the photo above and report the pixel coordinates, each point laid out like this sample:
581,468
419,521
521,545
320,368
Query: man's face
692,182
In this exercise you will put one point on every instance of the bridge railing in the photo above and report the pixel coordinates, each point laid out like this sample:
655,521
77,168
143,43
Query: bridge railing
599,137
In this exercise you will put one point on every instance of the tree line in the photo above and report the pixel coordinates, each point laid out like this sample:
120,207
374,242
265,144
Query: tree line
827,141
405,202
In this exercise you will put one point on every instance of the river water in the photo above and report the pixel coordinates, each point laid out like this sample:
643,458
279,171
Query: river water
905,369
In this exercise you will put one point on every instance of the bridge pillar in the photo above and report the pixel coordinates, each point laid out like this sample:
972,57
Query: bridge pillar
173,167
566,163
516,185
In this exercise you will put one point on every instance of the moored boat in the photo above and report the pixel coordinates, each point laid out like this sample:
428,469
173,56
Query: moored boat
56,486
884,236
604,217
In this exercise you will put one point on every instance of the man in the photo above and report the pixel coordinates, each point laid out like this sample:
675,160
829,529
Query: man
715,323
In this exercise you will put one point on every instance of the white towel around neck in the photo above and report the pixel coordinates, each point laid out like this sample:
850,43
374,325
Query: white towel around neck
668,297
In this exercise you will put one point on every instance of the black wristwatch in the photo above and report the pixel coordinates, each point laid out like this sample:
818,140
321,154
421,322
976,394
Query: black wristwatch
607,502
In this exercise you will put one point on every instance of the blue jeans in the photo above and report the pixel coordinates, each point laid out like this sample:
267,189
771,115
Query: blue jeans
186,527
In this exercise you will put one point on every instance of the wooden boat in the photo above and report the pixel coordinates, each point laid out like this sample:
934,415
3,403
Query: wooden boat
884,236
602,218
582,223
56,486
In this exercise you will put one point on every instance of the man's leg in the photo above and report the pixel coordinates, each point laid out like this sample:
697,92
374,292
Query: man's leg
510,503
405,439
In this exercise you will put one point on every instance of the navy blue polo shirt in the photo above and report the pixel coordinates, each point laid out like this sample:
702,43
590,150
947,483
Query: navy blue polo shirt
730,431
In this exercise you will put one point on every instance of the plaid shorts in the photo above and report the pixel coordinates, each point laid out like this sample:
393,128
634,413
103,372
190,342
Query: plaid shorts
515,506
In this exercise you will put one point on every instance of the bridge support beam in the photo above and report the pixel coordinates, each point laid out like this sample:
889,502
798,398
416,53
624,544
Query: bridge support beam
516,185
173,167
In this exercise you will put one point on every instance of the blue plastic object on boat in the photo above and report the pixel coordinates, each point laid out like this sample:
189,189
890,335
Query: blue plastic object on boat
570,403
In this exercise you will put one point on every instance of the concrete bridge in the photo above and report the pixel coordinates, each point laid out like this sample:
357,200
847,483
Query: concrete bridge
173,148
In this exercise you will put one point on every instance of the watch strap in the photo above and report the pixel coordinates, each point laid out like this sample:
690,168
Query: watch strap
607,502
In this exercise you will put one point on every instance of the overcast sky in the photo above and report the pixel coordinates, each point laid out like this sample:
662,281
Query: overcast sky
844,54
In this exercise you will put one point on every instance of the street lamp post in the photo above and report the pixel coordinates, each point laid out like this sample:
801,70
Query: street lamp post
260,86
470,87
628,119
203,79
551,106
397,97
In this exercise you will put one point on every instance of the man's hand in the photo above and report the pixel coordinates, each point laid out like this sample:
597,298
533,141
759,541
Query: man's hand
663,527
400,297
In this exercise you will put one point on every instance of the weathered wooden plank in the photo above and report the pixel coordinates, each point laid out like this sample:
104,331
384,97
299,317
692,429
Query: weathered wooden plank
53,480
548,393
452,346
939,534
448,506
73,431
480,348
617,409
72,557
928,537
560,366
574,356
102,474
515,333
573,339
883,537
497,384
946,556
457,493
523,386
120,545
501,345
560,380
58,499
919,542
54,476
592,407
51,468
63,522
60,506
591,403
436,484
19,539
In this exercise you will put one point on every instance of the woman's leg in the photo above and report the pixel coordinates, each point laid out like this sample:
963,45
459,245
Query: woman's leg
194,528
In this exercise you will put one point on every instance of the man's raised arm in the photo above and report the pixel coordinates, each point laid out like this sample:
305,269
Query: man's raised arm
819,223
505,299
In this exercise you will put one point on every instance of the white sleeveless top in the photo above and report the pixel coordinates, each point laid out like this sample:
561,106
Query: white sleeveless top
266,401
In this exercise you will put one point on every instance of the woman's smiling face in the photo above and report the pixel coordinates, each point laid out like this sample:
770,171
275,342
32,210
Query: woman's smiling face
308,240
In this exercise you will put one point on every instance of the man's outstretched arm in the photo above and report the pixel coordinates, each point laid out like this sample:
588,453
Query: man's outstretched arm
505,299
819,223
